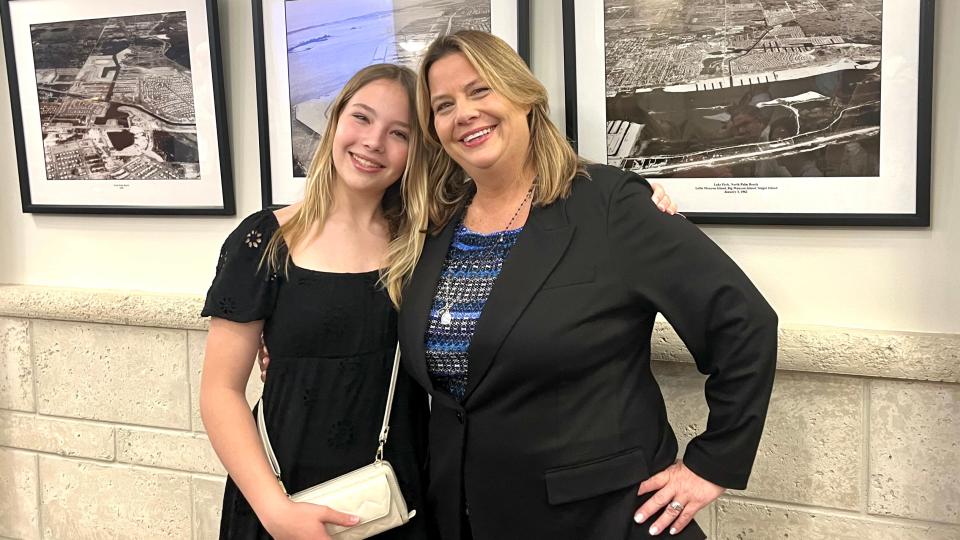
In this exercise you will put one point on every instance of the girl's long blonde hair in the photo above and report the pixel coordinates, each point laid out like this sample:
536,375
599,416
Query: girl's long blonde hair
549,153
404,203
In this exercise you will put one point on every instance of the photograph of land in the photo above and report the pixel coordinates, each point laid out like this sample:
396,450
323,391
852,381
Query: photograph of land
739,88
329,41
116,98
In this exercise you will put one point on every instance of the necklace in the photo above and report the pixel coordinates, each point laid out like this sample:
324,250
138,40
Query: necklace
446,317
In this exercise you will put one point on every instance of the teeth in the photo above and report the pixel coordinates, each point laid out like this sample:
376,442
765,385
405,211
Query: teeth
364,162
477,135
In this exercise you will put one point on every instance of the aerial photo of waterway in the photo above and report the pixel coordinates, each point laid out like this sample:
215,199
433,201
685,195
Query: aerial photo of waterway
768,88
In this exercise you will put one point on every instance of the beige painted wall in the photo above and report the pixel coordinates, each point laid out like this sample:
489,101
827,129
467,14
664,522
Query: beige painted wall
893,279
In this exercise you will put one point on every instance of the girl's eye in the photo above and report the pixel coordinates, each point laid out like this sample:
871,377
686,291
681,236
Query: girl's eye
480,90
360,117
401,135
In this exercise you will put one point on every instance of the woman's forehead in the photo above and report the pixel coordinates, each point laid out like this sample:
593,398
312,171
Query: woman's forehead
450,71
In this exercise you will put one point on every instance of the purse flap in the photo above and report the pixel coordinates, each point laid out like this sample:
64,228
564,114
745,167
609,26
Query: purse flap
364,492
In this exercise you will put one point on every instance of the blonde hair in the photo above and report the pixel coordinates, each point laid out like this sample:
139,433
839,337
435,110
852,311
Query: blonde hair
549,153
404,203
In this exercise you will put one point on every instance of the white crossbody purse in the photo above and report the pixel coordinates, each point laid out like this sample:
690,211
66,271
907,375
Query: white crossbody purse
370,492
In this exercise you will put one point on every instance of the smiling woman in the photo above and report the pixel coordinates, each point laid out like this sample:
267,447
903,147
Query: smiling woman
477,127
529,319
319,280
493,90
370,144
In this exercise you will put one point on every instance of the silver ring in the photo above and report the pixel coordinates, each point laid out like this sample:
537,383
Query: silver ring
676,506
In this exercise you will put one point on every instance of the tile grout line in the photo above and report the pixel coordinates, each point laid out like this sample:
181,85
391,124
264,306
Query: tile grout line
193,511
109,463
715,518
144,467
113,423
193,494
33,365
839,512
865,448
187,340
36,463
31,342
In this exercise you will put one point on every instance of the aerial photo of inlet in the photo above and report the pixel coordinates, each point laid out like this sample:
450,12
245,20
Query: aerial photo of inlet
327,42
739,88
116,98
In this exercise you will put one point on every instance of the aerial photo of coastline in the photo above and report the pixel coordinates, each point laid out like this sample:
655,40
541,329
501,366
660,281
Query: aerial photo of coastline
741,88
116,98
327,42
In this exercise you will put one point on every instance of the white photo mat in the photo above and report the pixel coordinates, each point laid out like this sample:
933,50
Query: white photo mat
205,192
894,192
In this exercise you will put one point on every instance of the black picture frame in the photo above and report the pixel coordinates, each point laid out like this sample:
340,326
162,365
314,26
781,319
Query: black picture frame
116,202
918,216
264,94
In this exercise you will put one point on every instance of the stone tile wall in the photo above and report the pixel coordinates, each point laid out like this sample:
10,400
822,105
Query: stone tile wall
100,433
862,438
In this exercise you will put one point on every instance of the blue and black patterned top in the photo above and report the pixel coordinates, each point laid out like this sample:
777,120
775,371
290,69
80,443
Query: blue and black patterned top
471,268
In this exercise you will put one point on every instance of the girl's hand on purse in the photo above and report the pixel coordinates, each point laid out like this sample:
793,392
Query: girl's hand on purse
681,491
305,521
263,360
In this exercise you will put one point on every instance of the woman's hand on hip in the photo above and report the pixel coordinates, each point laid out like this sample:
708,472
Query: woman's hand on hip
682,492
304,521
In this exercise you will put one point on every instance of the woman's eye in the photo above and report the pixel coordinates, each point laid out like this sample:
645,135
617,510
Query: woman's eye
360,117
441,107
480,90
401,135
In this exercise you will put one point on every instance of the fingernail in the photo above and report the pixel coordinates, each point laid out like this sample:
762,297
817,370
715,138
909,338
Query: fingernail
638,517
354,519
654,530
673,530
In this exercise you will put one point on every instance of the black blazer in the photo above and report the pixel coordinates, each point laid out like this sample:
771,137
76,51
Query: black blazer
562,418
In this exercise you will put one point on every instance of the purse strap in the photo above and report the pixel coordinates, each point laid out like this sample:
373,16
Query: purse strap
381,440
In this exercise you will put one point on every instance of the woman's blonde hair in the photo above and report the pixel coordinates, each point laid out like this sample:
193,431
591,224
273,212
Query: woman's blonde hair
549,153
404,203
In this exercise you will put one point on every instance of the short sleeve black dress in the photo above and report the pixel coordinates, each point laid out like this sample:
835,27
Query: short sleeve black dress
331,338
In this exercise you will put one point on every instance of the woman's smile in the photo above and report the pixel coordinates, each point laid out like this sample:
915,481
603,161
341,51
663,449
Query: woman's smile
477,137
365,164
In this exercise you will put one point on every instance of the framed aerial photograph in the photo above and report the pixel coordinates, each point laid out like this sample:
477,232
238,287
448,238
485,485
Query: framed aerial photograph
306,50
806,112
117,106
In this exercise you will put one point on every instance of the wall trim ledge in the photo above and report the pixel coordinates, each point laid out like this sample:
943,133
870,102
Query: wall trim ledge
130,308
846,351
